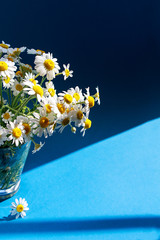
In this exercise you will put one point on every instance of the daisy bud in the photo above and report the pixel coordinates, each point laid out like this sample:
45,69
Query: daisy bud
73,129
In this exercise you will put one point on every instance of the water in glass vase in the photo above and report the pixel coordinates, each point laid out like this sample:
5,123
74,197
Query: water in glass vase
12,162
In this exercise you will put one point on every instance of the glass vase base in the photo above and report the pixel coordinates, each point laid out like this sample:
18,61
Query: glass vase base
9,192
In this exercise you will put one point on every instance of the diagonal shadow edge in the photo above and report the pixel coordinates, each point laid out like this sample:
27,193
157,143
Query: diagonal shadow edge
81,225
40,160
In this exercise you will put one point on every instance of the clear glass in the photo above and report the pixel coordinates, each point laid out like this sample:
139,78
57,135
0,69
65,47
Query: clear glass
11,166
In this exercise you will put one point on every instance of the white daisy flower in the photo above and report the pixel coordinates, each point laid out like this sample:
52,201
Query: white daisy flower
19,207
27,124
52,127
47,104
4,47
17,87
77,94
66,98
15,52
16,131
64,121
8,81
89,101
97,97
30,77
37,147
86,125
3,135
57,107
42,122
7,116
67,73
34,89
33,51
46,64
7,68
50,90
77,115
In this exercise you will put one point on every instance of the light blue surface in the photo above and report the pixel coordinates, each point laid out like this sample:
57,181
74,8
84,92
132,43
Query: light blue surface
109,190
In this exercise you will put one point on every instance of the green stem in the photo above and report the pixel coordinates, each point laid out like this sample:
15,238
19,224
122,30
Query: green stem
30,113
13,110
9,101
11,94
16,99
43,79
33,140
1,91
23,104
59,74
1,113
80,103
36,75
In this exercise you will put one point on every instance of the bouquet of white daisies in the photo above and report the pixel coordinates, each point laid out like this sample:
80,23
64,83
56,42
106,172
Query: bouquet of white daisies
29,103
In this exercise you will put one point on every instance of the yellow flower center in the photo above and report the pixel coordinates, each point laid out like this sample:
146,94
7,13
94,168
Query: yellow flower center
19,87
68,98
49,64
44,122
38,90
7,80
65,122
19,73
32,80
79,115
61,108
38,50
97,95
48,108
16,132
4,45
88,124
6,115
27,128
76,96
51,92
91,101
20,208
3,66
67,72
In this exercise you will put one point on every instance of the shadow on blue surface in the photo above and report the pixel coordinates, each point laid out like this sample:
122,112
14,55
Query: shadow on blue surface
81,225
8,218
60,145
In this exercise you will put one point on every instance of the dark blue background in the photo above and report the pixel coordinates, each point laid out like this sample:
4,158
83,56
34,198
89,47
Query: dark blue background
112,44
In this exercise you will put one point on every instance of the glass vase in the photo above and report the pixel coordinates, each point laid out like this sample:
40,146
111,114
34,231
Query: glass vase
12,162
